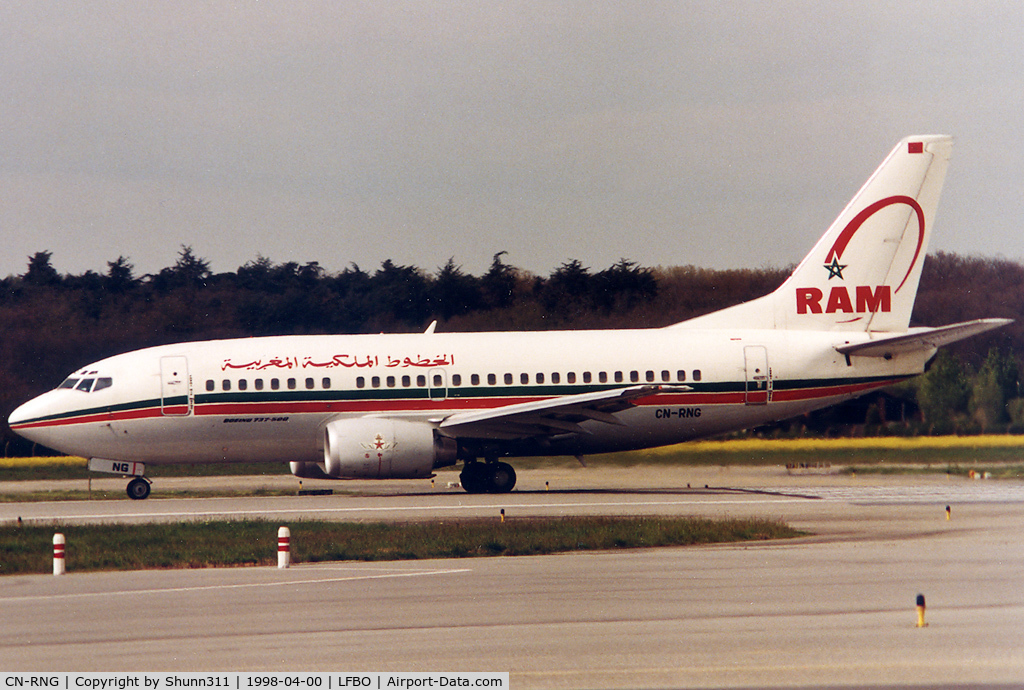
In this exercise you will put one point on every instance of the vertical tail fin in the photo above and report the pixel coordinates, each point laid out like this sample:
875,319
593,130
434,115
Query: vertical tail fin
863,273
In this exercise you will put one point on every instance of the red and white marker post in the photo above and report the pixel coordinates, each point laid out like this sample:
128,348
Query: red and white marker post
58,554
284,547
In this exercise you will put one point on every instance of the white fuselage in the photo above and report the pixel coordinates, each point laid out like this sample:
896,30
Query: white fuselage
269,399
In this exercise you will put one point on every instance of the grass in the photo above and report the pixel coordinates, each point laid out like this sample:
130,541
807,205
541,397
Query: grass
254,542
940,451
72,467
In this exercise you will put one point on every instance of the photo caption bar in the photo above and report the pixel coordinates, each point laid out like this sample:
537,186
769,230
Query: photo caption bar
253,681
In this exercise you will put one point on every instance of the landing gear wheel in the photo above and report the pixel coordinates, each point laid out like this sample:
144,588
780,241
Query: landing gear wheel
474,478
488,478
501,478
138,489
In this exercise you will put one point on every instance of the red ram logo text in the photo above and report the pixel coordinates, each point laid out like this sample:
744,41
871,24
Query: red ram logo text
865,300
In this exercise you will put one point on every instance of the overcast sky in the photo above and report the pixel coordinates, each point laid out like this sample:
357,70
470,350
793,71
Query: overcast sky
720,134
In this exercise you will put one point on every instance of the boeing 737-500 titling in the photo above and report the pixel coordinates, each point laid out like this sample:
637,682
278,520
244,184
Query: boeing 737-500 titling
402,405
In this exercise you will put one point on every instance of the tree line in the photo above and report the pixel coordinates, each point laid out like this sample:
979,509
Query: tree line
53,323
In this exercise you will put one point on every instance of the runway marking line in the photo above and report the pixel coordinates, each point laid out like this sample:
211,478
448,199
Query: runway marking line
924,665
397,509
202,588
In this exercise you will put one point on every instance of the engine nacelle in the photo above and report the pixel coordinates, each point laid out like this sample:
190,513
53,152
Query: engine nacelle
309,470
384,448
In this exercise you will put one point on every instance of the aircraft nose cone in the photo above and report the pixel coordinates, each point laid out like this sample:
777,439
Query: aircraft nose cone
21,419
21,414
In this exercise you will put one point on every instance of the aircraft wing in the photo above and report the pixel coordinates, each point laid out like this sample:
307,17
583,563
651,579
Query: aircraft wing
548,417
921,339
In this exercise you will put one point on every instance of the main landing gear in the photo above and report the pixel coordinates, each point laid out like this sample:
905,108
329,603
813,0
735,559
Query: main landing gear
138,488
487,477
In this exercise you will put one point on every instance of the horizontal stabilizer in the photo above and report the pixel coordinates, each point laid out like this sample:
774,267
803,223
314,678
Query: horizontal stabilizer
550,416
922,339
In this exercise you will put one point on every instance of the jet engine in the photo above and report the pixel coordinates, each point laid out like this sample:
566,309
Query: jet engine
309,470
384,448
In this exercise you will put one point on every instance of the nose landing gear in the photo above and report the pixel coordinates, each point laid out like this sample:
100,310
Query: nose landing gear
138,488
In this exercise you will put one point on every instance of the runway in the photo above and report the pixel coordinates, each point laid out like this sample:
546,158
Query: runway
835,609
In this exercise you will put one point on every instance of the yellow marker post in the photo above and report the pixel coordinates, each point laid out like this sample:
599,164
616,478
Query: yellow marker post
948,511
503,515
920,611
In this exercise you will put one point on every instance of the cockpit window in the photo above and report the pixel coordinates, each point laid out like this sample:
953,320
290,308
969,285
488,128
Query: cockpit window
87,385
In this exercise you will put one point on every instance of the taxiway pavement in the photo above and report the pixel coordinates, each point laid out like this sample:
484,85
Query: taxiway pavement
834,609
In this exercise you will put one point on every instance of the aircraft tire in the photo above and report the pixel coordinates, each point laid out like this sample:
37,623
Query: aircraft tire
474,478
138,489
501,478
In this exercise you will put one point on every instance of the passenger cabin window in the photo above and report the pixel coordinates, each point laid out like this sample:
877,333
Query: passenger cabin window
602,376
570,377
225,384
696,375
421,381
360,382
474,379
406,381
586,377
210,385
310,384
508,379
456,379
258,384
618,377
275,384
242,384
556,377
291,384
492,379
540,378
326,383
681,375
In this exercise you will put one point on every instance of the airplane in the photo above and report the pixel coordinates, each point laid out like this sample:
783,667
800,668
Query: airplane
403,405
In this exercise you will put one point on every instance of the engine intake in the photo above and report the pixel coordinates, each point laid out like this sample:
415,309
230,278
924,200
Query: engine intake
384,448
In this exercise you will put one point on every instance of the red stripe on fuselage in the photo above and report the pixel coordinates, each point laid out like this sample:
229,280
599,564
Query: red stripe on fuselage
403,405
143,413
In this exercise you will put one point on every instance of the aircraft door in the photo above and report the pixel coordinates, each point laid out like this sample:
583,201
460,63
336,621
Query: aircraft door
437,384
758,375
175,387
